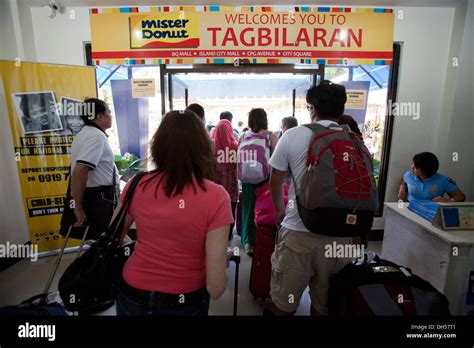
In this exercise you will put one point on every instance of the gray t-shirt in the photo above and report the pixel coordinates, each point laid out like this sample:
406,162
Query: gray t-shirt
290,155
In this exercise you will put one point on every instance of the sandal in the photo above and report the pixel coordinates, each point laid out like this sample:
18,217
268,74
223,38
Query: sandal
249,249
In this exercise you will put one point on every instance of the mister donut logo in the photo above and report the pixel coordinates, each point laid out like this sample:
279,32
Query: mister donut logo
164,31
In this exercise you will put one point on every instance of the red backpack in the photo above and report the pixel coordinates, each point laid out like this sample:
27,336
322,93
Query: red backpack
337,195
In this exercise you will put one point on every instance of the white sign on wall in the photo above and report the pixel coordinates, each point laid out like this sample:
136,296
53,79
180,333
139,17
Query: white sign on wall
143,88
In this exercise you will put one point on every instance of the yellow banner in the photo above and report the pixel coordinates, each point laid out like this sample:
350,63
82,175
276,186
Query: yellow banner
41,101
214,34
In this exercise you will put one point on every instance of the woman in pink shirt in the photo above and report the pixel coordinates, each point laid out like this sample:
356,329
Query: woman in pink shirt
182,219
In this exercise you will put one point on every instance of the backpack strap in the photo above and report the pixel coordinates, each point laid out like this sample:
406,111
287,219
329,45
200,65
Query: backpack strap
319,128
269,143
316,128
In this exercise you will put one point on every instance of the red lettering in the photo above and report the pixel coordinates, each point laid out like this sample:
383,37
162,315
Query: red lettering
274,19
357,40
303,36
244,41
320,35
254,21
214,34
266,36
230,36
285,39
336,36
229,17
292,19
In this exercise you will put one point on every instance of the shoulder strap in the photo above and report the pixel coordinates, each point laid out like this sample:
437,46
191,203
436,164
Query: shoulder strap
116,226
317,129
315,126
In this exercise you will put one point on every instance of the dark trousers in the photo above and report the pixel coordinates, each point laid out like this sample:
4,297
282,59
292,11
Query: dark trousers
99,205
128,307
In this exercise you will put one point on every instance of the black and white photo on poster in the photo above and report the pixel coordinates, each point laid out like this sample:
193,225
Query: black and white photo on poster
71,110
37,112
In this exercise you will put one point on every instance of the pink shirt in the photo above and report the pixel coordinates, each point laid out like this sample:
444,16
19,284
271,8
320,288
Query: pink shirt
170,251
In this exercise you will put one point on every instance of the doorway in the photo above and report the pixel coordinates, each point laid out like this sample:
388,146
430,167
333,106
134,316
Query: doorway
279,89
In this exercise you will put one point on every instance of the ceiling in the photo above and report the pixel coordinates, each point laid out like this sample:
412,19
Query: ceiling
386,3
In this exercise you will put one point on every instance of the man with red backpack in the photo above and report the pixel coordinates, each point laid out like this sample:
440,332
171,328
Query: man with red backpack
332,198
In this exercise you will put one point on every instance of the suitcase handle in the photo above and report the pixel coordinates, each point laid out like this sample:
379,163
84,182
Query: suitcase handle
235,258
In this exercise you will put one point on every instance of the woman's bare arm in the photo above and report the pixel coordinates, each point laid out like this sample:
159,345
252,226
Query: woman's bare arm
216,261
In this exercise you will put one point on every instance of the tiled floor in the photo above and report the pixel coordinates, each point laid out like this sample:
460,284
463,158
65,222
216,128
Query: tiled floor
26,278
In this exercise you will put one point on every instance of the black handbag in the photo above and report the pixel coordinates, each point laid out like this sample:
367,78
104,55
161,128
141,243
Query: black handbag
91,281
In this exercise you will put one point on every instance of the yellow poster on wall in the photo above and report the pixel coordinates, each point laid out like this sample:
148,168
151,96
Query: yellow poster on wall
254,34
40,98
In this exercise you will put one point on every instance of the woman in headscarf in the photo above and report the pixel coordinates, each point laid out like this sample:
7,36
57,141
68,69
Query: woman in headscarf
225,147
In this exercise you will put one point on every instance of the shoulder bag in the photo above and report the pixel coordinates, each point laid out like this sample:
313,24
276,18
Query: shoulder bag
92,279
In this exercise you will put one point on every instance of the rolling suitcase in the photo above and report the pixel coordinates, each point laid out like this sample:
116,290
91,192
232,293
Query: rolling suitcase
61,253
261,270
39,305
377,287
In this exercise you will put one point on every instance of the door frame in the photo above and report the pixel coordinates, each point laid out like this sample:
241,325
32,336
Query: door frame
388,126
166,74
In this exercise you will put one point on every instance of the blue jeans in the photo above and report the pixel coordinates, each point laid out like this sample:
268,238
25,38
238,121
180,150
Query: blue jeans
127,306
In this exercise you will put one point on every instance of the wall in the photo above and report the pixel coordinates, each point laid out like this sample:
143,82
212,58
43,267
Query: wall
13,227
60,39
425,34
427,75
460,137
8,46
26,30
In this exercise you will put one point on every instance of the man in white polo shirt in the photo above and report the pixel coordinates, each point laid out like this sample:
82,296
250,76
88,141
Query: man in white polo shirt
94,176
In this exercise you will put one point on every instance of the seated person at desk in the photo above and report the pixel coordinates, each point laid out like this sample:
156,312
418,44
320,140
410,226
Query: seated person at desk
424,182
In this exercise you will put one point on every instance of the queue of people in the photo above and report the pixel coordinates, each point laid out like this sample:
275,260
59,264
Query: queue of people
185,209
